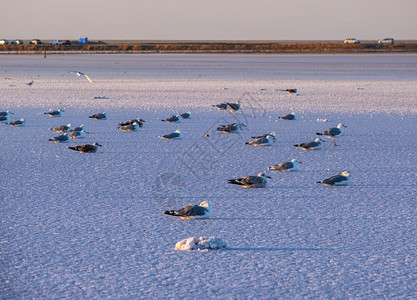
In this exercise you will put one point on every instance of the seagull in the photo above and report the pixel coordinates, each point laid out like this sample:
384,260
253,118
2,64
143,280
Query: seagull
262,141
291,91
30,83
342,178
259,181
61,138
202,211
78,134
54,113
186,115
81,74
231,128
333,133
293,165
272,134
5,119
86,148
314,145
176,135
234,106
131,127
221,106
6,113
62,128
130,122
173,119
99,116
17,123
291,116
78,128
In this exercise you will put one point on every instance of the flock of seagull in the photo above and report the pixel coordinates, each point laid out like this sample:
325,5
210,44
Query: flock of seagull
204,209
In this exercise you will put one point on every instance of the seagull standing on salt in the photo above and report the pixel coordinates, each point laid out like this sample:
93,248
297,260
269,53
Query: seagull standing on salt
288,166
333,133
202,211
342,178
259,181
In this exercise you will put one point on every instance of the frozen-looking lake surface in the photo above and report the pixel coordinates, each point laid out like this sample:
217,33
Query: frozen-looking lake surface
88,226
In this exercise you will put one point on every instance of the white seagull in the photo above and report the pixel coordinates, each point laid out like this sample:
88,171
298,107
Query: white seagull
202,211
287,166
81,74
333,133
317,144
259,181
342,178
176,135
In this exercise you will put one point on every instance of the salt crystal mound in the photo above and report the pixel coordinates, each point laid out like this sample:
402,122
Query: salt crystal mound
201,243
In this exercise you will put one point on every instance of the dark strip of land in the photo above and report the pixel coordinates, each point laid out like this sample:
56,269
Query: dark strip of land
287,47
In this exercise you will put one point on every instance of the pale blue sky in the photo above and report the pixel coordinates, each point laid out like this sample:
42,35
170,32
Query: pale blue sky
209,20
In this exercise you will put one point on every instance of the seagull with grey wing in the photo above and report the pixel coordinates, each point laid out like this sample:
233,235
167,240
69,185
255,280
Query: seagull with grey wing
176,135
87,148
202,211
17,123
287,166
61,138
291,116
231,128
342,178
259,181
62,128
99,116
130,127
333,133
317,144
81,74
132,121
54,113
262,141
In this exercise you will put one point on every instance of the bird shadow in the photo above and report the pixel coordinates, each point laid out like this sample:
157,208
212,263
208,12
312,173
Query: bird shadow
280,249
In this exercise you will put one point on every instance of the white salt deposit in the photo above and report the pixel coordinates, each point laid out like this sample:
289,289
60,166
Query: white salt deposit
201,243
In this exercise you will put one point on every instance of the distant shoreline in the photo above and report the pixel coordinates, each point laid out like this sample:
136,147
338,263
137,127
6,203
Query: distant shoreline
246,47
